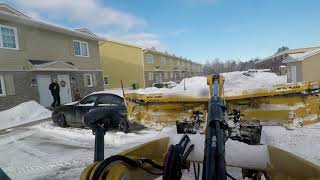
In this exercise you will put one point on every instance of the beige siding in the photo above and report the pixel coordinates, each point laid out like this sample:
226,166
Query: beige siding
311,68
38,44
299,75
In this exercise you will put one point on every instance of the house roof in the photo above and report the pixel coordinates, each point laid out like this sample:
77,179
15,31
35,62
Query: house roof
289,51
301,56
154,50
18,17
12,10
119,42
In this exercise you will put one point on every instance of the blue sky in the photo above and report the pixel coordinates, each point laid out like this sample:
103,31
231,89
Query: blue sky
196,29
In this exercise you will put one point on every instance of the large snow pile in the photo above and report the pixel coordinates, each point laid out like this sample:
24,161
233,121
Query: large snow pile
23,113
303,142
235,83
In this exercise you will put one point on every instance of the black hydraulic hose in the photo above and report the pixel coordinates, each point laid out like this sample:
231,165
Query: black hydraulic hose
133,163
231,177
152,163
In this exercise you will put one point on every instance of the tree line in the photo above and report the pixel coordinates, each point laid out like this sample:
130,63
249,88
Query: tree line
218,66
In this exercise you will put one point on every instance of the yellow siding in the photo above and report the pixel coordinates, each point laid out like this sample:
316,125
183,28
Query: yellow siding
122,62
310,68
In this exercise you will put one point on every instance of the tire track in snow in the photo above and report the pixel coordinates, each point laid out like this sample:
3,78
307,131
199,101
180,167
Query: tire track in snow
16,171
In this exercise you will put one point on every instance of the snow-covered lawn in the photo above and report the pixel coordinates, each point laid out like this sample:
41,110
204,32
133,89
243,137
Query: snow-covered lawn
22,114
45,151
303,142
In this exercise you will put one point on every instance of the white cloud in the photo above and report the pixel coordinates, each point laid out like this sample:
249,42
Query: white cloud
147,40
90,13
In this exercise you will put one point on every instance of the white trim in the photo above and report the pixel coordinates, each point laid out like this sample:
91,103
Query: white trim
150,76
3,86
104,82
43,25
15,11
81,53
15,37
91,79
55,62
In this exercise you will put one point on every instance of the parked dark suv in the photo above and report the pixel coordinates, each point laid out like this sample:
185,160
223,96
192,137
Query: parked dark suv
72,114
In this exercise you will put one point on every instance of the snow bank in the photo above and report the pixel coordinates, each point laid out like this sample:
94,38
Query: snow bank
303,142
22,114
235,83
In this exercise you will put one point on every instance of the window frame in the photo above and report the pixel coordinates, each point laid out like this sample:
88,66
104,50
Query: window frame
104,82
81,53
166,75
150,56
3,86
91,79
16,40
163,60
150,76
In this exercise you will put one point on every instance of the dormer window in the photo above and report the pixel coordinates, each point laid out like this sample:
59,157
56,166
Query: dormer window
80,48
8,37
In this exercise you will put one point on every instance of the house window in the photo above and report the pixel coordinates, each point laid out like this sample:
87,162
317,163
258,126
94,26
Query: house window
8,37
150,76
80,48
166,75
88,80
171,75
163,60
106,80
2,87
149,58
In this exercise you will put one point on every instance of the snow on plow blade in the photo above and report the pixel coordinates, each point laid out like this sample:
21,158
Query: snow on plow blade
285,104
274,163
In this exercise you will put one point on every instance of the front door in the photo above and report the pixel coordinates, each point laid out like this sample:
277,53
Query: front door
65,92
43,90
294,73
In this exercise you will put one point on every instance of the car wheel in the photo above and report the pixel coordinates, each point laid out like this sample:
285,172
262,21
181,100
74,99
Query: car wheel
59,119
123,125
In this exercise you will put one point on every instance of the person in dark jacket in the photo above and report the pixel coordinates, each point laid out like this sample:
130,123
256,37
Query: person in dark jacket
55,91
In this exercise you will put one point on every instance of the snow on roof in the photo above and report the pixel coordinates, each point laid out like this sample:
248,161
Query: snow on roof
301,56
288,51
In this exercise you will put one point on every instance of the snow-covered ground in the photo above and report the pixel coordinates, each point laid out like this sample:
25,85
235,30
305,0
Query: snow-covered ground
235,84
44,151
22,114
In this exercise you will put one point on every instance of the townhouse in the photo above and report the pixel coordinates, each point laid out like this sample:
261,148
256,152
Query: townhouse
303,66
163,67
32,53
275,62
138,67
121,62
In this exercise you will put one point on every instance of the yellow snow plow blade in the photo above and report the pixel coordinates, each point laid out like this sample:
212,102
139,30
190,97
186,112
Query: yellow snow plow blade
277,164
281,105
